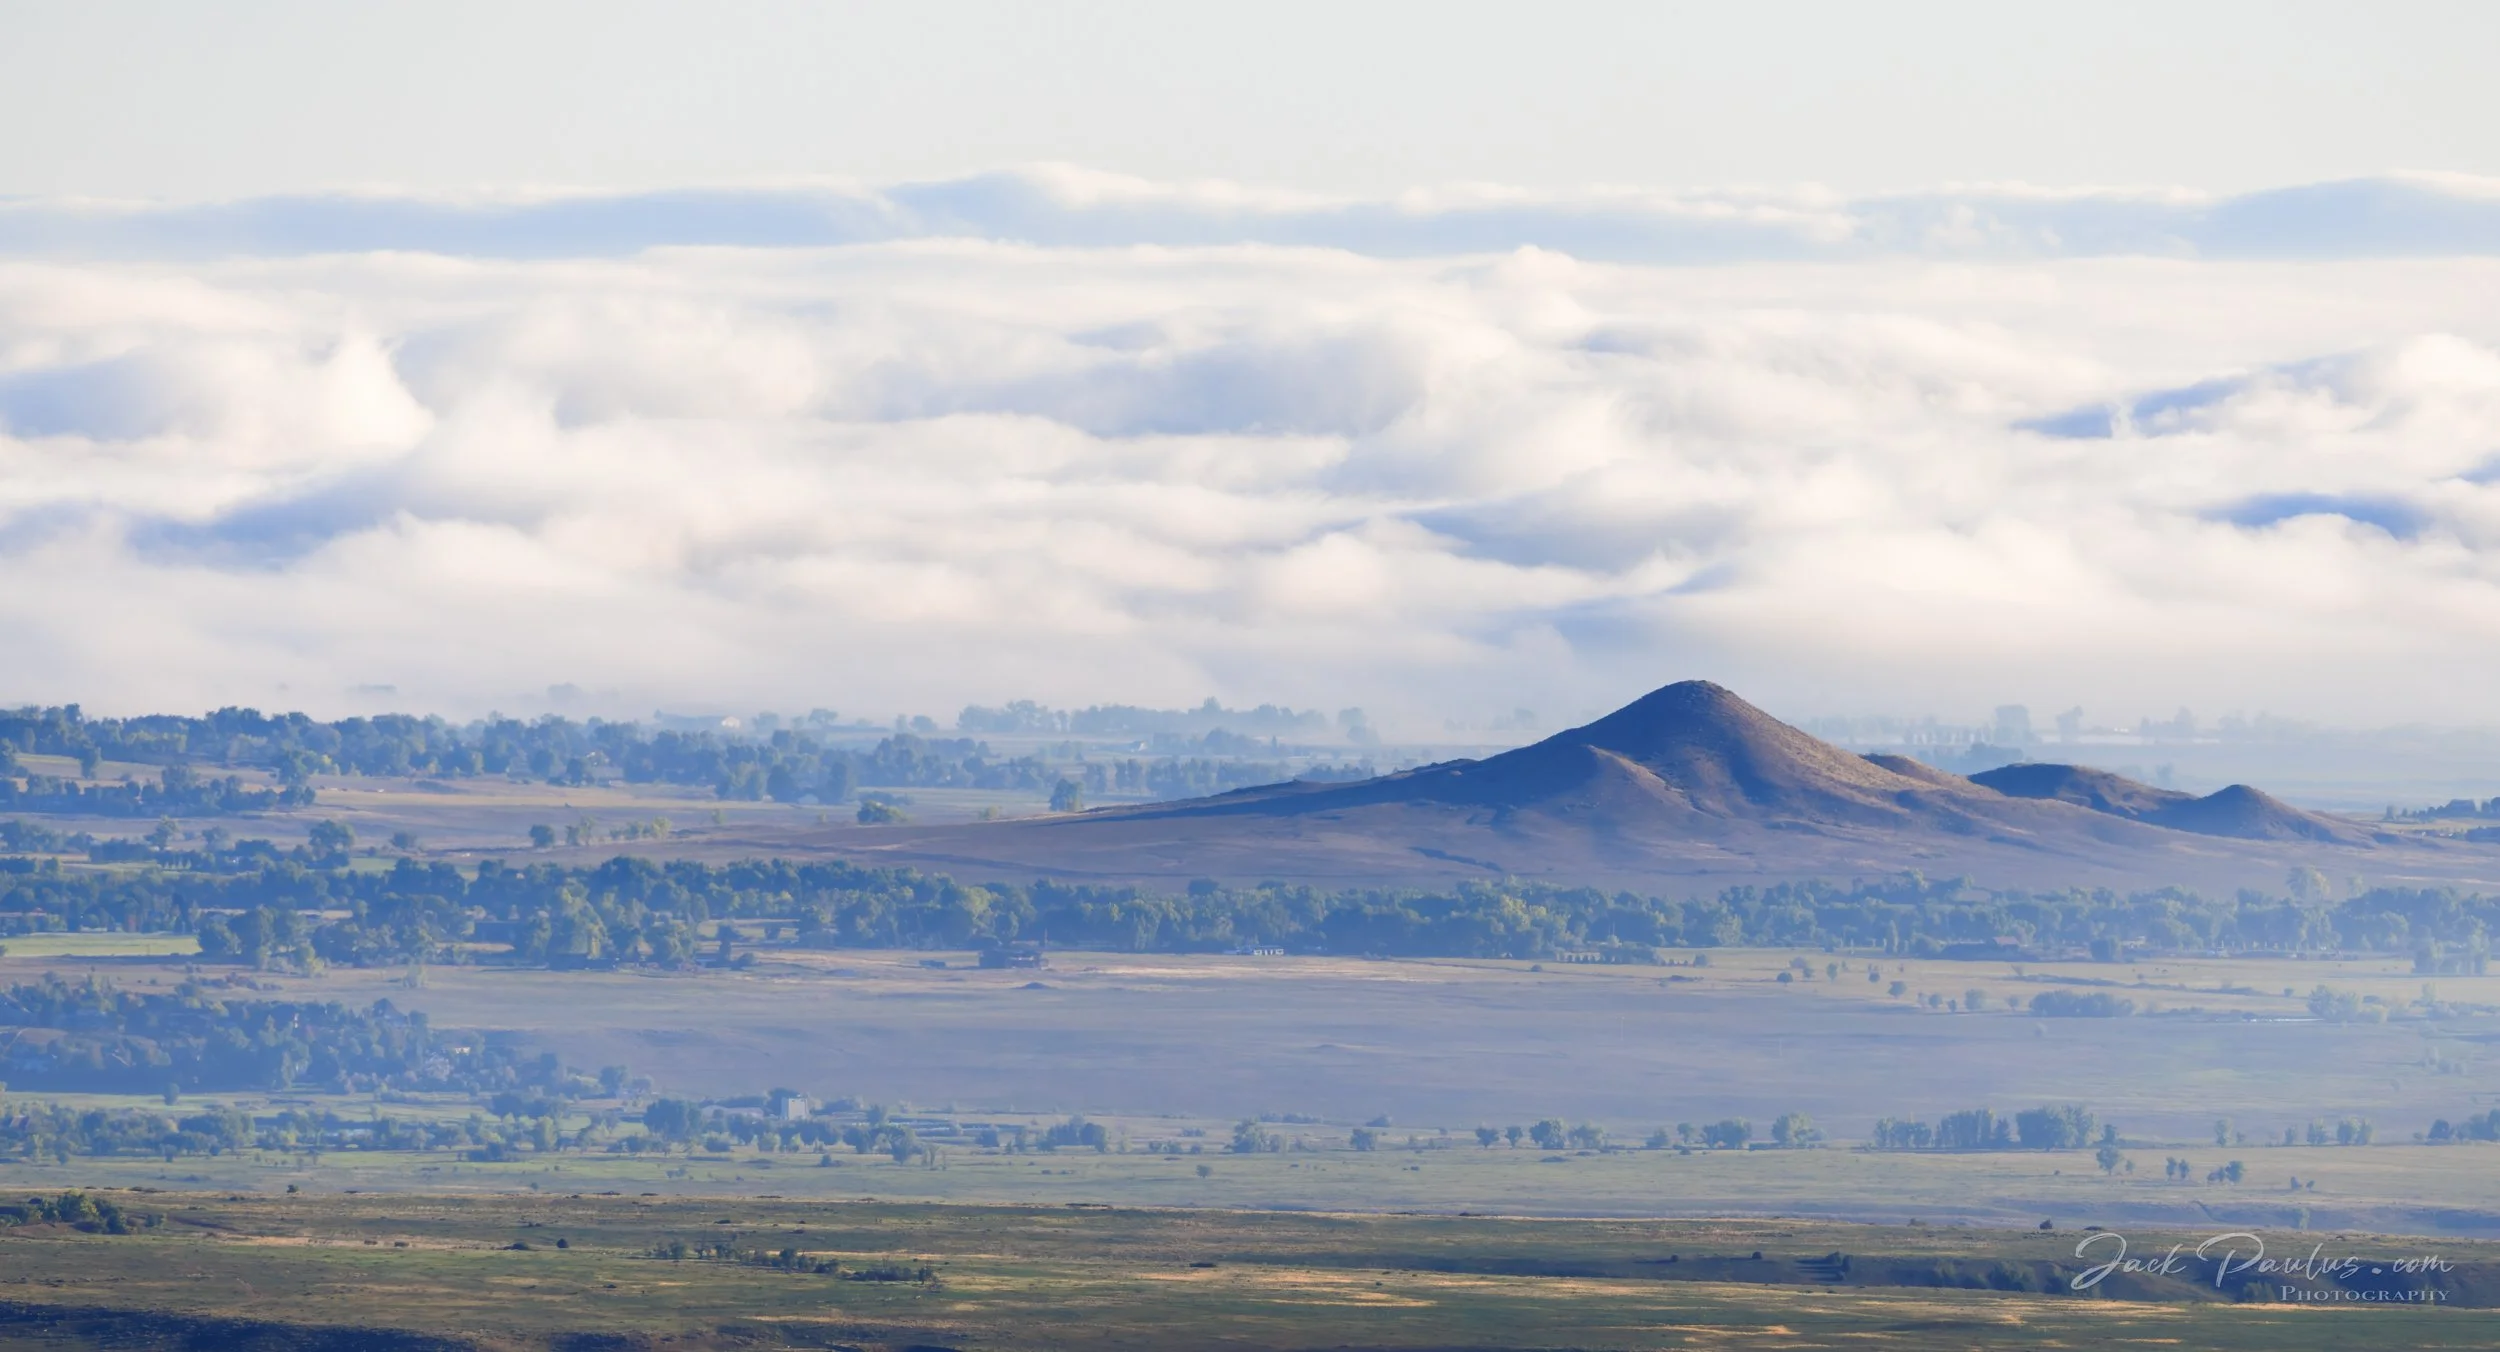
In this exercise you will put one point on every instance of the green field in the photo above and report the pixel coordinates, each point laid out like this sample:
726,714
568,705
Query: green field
94,944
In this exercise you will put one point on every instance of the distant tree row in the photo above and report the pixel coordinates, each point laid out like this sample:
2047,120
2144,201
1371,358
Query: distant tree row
1025,718
797,764
93,1037
2066,1127
251,908
178,792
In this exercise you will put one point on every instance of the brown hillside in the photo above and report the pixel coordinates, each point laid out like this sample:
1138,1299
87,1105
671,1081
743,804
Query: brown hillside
1687,785
2239,812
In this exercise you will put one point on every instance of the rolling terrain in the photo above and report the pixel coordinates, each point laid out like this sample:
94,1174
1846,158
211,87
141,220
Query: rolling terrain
1686,788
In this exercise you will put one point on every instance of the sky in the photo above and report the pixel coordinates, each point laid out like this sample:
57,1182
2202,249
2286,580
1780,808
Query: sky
1442,360
171,99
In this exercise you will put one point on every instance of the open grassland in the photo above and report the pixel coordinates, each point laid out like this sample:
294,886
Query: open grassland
1169,1052
2451,1190
1454,1044
447,1272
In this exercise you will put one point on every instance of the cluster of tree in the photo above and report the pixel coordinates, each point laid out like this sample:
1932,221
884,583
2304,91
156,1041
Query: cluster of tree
2182,1171
2468,808
2048,1127
179,791
92,1037
94,1215
2346,1131
671,1123
1545,1134
788,1260
2330,1005
2081,1005
2478,1127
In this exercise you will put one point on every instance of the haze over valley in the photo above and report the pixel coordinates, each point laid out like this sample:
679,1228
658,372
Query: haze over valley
977,677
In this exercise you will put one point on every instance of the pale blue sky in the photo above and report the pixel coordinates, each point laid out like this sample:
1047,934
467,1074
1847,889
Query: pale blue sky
187,100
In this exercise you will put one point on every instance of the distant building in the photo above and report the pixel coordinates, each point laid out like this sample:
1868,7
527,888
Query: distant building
794,1108
1013,955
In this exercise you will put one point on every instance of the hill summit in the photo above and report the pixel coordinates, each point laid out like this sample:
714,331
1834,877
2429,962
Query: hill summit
1685,783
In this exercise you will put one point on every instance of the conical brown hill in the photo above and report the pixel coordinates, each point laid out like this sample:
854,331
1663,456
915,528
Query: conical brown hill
1692,749
1712,753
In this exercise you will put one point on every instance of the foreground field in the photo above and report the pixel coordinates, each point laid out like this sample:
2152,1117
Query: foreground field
518,1272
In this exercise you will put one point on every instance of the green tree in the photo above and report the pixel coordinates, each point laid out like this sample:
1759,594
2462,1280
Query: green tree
2068,1127
330,837
1727,1134
1067,796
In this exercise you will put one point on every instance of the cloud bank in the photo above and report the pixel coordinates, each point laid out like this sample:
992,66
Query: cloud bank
1083,439
2404,216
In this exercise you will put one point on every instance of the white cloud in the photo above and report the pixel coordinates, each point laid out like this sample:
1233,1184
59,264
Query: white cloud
910,474
2393,216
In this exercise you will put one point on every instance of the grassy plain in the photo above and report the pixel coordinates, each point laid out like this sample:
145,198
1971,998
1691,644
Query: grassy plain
1452,1044
488,1272
2401,1188
1169,1052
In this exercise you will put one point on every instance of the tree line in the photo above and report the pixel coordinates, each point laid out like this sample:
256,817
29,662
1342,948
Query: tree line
179,791
95,1037
631,910
796,764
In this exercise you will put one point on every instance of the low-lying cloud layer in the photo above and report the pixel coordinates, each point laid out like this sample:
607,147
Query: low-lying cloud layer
1428,476
2402,216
